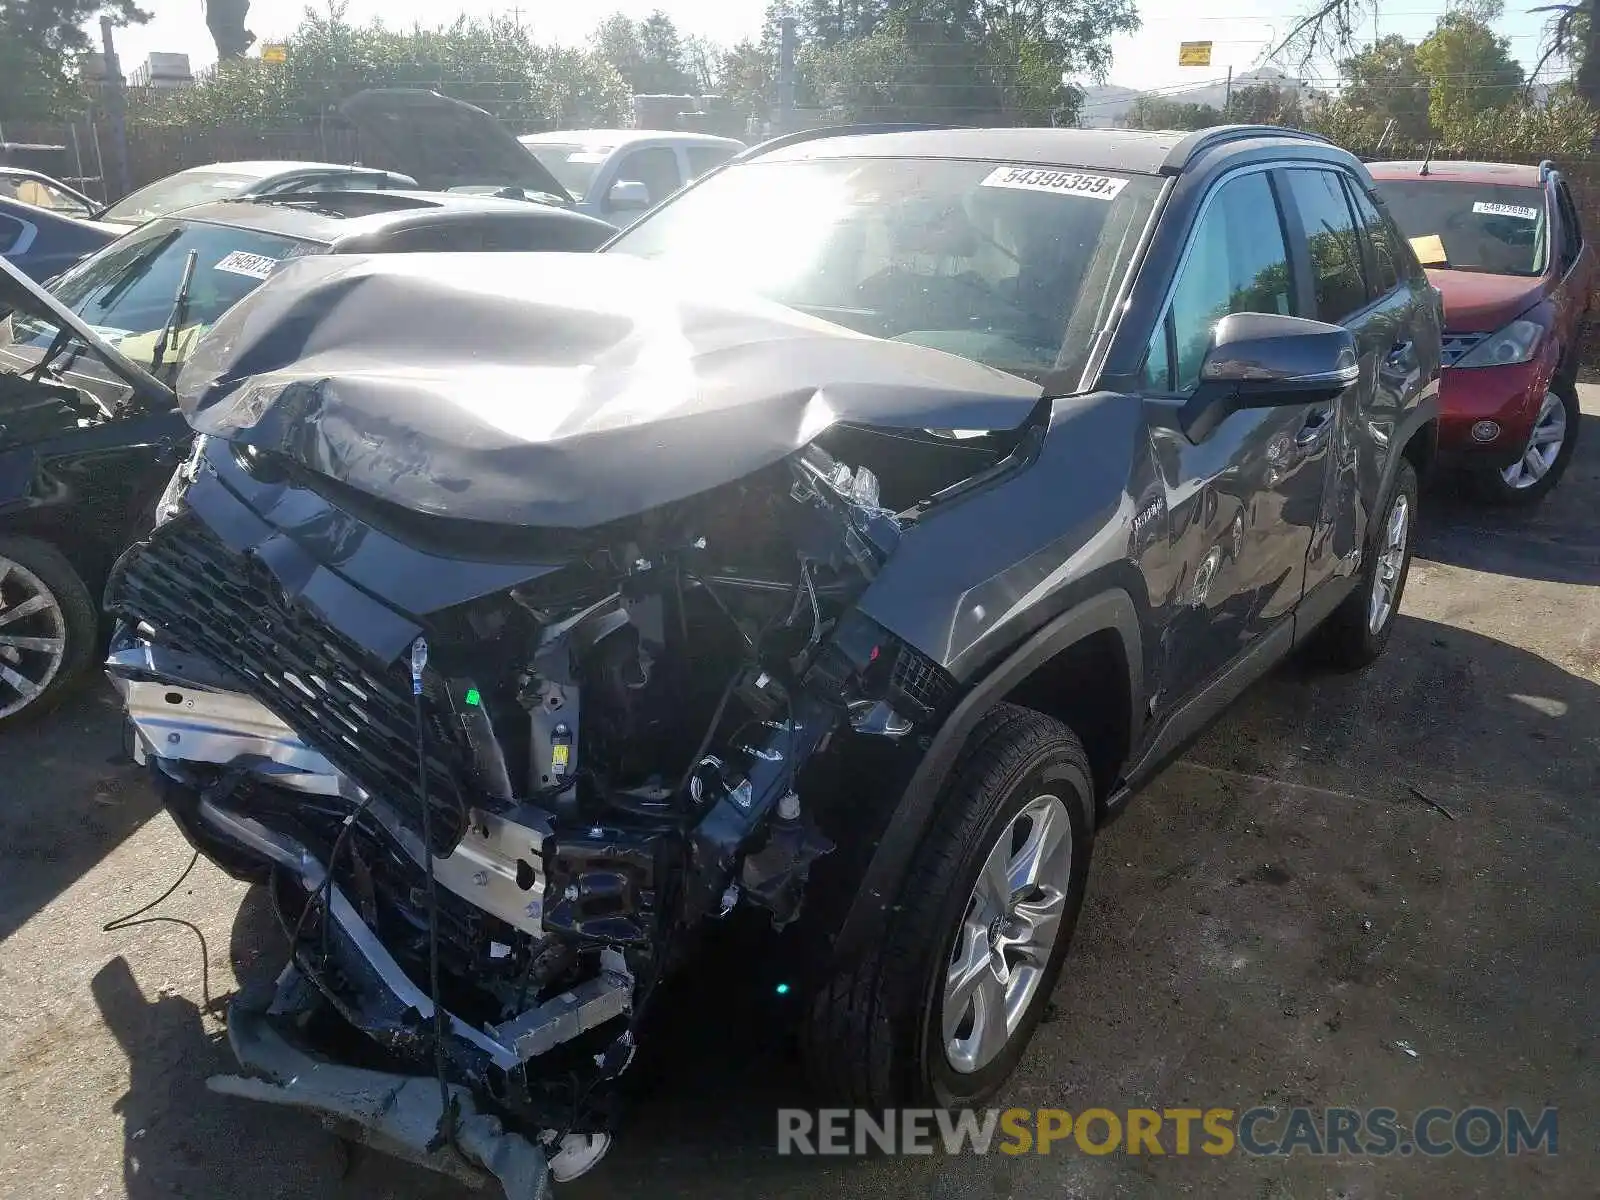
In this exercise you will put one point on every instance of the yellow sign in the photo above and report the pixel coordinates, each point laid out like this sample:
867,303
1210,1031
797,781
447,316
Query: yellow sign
274,52
1429,250
1194,54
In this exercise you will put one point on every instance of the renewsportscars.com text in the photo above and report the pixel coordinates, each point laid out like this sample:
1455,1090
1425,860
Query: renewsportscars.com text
1477,1130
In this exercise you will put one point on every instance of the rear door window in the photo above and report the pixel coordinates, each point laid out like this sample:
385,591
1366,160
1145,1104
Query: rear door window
1337,278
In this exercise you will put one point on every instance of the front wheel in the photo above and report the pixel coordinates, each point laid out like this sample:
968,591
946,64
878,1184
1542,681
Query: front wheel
1545,455
942,1010
48,629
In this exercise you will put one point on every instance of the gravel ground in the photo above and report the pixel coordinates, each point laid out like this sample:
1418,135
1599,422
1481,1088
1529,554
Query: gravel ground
1280,919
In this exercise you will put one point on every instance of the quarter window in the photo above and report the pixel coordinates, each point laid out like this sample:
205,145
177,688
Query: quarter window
1337,279
1237,262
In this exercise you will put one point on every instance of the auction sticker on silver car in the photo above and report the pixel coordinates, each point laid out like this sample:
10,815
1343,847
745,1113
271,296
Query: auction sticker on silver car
1067,183
240,262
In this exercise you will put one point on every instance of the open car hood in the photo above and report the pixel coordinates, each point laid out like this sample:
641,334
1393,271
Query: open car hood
556,389
19,293
445,143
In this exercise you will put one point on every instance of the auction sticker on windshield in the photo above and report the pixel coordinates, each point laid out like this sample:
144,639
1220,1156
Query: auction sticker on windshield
1505,210
1066,183
240,262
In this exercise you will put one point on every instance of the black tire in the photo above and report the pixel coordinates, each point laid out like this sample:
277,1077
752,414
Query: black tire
872,1036
1490,484
79,618
1347,641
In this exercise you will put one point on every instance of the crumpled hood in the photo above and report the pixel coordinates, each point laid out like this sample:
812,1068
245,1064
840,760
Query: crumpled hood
552,389
1478,302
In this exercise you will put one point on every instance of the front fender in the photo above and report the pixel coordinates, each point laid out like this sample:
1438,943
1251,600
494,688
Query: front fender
880,885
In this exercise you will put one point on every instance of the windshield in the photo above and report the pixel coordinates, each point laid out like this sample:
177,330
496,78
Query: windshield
573,165
41,194
126,291
182,190
1496,228
1014,266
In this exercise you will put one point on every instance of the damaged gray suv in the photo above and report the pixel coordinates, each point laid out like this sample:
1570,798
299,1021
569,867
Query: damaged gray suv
843,544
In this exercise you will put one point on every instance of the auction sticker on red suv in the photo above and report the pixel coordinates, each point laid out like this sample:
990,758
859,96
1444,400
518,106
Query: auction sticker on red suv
1070,183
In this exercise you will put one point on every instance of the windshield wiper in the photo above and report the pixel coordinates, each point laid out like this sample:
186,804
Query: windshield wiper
180,309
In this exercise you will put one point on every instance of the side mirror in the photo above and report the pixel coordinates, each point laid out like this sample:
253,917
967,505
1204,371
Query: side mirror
1263,360
628,195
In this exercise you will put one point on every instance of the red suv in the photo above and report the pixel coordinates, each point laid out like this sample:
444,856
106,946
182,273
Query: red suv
1504,246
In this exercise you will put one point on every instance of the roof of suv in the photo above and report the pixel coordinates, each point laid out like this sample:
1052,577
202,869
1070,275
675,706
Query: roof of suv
1458,172
1148,152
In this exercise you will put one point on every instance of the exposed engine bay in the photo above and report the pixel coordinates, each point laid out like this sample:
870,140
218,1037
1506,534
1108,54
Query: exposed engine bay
594,761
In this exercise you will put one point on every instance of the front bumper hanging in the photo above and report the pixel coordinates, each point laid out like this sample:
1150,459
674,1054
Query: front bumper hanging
399,1115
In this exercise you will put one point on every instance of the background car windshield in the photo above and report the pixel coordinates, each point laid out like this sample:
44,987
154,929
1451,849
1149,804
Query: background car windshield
1496,228
1008,264
182,190
126,291
39,193
574,166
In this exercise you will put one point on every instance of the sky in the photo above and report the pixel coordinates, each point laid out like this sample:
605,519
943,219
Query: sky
1147,59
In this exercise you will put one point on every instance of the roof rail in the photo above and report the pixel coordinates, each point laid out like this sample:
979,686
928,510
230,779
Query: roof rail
811,135
1205,139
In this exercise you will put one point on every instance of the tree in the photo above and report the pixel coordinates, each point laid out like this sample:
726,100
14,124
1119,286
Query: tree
225,20
749,78
492,63
957,60
702,60
1384,83
1265,103
649,54
40,43
1156,112
1469,68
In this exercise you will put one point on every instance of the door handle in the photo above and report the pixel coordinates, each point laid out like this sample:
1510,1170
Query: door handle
1316,430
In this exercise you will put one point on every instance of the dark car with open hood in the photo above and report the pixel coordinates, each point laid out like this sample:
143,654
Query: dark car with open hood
90,430
840,548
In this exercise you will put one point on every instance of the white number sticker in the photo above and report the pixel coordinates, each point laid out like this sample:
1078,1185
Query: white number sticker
1065,183
257,266
1505,210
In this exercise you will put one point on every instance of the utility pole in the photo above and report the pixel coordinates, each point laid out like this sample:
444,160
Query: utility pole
1227,101
786,53
116,108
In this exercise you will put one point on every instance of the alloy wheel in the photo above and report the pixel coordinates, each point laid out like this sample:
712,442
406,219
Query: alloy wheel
1391,562
1544,445
33,637
1007,933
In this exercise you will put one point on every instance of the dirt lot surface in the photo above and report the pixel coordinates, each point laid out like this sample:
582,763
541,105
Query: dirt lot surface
1279,920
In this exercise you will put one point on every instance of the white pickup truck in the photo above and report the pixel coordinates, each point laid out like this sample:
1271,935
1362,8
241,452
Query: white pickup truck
617,174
